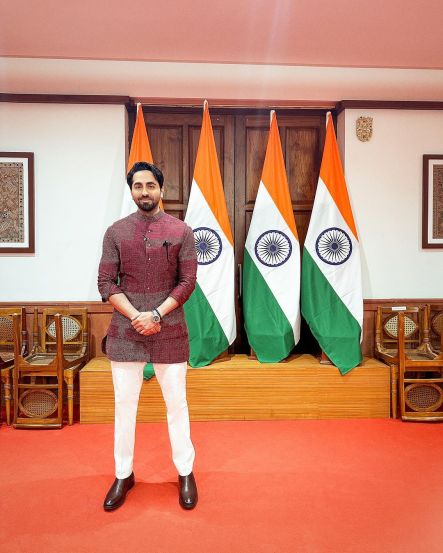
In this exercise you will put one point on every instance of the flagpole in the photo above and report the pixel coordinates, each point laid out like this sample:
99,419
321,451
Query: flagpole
324,359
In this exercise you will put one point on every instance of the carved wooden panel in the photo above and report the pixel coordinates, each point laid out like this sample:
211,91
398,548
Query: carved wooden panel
256,139
302,221
166,145
302,162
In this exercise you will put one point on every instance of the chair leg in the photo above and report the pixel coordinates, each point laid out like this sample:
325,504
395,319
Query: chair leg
394,390
69,379
8,397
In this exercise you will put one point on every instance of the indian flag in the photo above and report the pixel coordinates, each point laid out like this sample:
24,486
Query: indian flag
140,151
210,311
271,273
332,301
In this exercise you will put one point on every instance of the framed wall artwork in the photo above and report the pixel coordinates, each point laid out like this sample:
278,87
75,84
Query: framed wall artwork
17,203
432,221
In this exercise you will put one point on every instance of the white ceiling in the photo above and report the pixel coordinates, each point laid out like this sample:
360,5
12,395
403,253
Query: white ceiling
273,49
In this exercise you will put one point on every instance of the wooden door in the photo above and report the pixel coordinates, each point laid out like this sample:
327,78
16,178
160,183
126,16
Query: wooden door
241,138
302,137
174,140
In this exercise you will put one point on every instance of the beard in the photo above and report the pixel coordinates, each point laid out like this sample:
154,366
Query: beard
147,205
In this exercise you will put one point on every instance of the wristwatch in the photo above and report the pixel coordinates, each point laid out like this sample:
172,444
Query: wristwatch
156,316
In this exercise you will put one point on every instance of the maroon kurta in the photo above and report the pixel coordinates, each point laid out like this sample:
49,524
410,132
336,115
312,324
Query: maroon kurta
154,257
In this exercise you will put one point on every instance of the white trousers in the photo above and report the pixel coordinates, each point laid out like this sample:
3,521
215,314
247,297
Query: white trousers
128,378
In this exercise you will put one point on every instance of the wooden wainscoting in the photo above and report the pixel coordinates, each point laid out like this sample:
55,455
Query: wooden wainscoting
100,316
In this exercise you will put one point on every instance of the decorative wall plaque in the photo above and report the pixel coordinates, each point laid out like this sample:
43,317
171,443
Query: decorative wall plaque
364,128
16,202
432,224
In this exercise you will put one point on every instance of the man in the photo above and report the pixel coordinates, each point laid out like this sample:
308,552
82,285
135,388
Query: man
147,272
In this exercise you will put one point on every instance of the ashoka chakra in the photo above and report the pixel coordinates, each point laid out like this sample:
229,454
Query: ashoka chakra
208,245
273,248
333,246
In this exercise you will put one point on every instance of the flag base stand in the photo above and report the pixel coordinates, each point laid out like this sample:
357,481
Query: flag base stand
324,359
252,355
224,356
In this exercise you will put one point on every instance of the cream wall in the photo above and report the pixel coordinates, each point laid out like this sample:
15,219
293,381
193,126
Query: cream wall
384,178
79,181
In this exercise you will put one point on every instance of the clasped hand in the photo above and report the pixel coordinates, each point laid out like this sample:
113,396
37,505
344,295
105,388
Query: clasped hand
144,324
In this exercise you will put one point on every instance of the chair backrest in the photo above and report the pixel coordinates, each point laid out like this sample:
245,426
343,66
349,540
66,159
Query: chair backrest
387,326
7,329
436,325
74,326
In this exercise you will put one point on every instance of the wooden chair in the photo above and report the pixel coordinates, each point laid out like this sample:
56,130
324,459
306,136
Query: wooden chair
420,382
402,340
7,349
56,358
436,326
416,340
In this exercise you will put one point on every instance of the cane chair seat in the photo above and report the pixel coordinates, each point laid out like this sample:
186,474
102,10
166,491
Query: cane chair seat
7,350
59,353
46,358
38,403
421,396
7,356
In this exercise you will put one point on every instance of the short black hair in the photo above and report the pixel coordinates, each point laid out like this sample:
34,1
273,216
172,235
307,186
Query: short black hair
144,166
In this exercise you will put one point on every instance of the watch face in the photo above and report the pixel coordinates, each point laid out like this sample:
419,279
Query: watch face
155,318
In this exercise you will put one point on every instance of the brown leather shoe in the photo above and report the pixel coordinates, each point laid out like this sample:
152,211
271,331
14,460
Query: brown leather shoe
188,495
117,493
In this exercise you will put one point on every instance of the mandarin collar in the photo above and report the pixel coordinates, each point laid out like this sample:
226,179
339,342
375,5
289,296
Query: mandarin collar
149,218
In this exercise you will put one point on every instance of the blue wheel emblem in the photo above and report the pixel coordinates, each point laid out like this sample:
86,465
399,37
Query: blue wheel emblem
273,248
333,246
208,245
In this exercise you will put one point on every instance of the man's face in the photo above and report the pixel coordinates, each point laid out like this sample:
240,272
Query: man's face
146,191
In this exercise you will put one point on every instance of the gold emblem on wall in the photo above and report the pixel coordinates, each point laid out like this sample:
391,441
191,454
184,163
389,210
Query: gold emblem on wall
364,128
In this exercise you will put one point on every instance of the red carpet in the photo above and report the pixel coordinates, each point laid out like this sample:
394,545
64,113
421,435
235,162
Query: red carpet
294,486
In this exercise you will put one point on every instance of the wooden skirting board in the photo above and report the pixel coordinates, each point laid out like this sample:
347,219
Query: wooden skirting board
244,389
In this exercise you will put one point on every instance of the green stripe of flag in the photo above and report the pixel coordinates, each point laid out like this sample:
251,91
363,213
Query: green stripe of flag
148,371
330,321
269,332
206,337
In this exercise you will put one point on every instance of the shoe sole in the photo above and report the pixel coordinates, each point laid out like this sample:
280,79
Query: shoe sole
119,504
188,507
